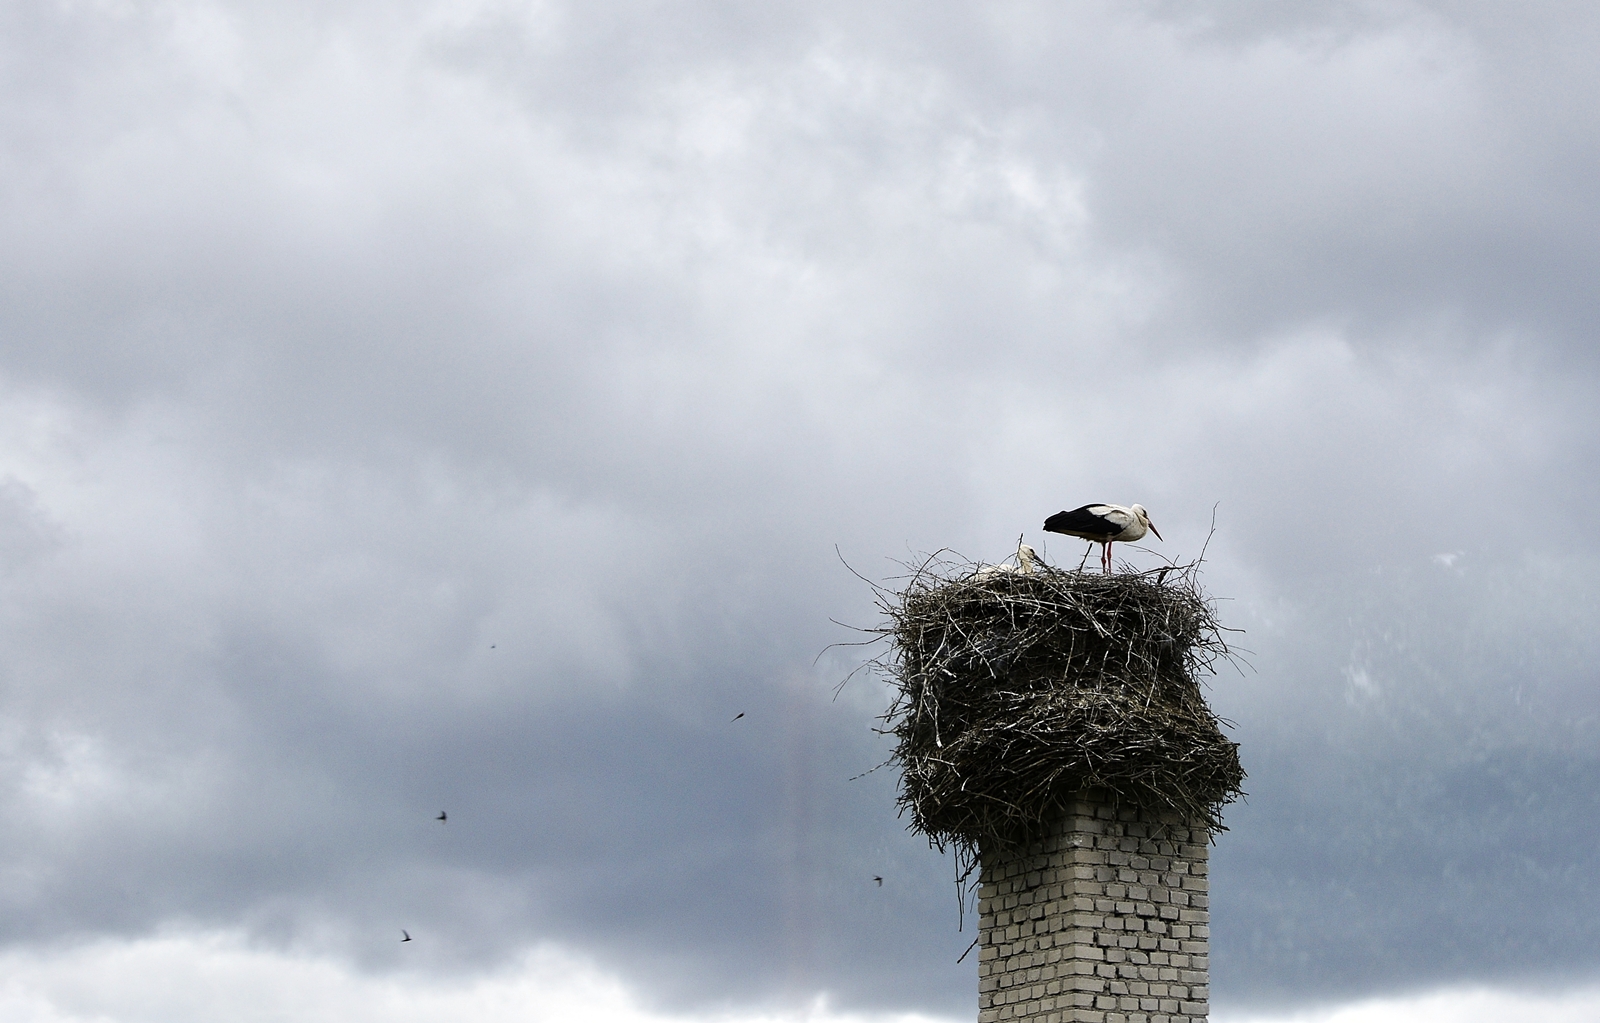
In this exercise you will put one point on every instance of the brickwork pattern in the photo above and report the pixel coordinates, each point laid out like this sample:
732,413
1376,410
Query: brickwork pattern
1104,920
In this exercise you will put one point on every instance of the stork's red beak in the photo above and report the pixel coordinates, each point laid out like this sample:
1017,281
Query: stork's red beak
1156,531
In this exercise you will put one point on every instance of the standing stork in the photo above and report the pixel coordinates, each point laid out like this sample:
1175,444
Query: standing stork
1103,524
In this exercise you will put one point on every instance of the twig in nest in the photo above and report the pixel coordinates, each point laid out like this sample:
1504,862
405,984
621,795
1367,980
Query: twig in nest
1015,692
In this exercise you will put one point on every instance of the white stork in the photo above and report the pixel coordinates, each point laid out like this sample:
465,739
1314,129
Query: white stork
1027,560
1103,524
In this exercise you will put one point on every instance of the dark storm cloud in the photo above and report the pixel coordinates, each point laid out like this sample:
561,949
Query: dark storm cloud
457,409
1430,759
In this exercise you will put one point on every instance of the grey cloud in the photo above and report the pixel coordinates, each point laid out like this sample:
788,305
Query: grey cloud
342,345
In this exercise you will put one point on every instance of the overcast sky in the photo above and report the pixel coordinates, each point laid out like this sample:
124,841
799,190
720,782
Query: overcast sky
420,406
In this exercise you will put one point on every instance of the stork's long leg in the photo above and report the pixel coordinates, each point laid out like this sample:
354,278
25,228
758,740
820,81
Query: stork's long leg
1105,557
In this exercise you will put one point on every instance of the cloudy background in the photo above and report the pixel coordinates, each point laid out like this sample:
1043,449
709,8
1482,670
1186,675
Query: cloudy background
428,405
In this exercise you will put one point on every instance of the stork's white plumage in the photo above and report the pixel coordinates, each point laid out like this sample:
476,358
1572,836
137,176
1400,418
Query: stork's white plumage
1027,561
1103,524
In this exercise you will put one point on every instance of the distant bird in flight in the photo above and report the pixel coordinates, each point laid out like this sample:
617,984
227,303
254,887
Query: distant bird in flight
406,935
737,717
878,879
1103,524
442,817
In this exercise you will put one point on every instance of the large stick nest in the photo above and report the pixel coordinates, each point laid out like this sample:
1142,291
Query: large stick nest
1017,691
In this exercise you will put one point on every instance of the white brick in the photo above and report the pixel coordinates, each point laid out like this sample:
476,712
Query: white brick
1105,917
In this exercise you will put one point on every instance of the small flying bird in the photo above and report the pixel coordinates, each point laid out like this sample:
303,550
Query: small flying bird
878,879
736,717
1103,524
405,935
442,817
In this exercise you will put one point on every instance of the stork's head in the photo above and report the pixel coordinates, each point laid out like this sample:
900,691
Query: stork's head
1144,517
1027,557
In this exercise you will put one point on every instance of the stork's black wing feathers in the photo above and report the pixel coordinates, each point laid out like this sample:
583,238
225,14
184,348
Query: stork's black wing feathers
1083,522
